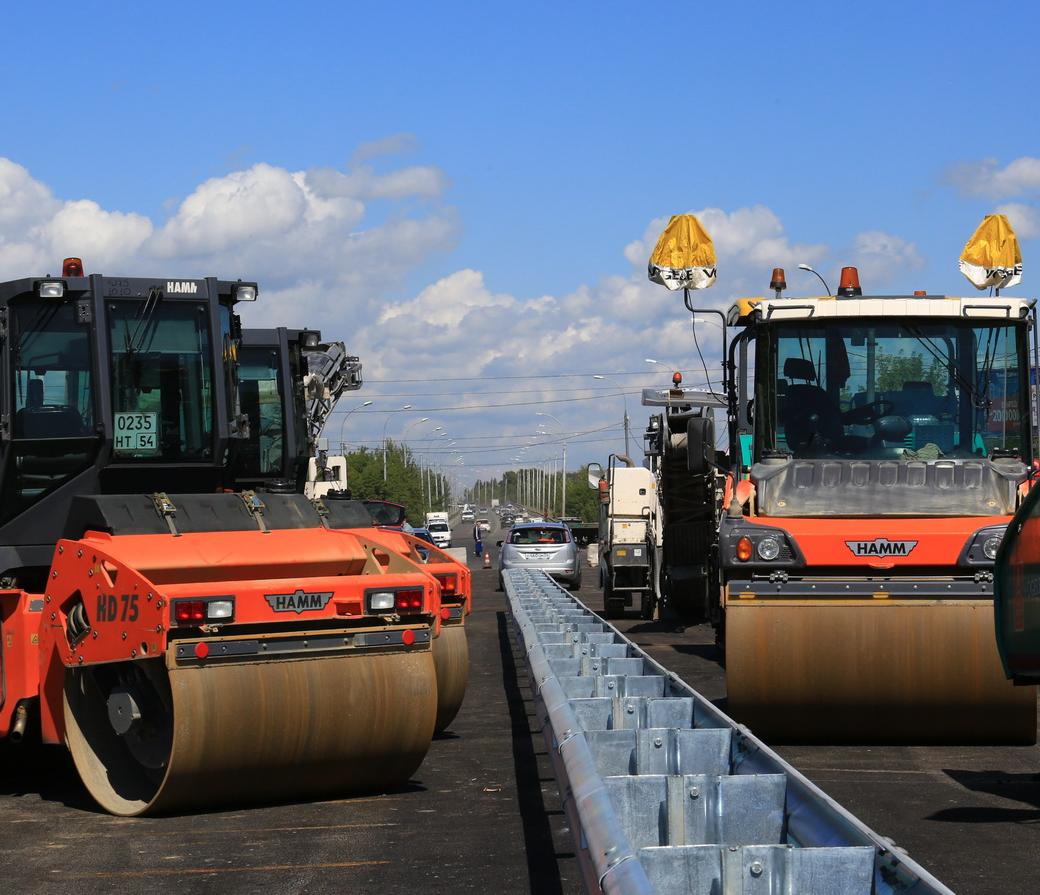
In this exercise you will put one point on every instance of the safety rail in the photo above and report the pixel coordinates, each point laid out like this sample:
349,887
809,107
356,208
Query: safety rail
663,791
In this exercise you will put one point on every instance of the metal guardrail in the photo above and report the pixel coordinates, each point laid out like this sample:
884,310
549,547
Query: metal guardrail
667,794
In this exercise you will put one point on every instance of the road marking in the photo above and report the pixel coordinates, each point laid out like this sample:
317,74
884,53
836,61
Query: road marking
196,871
275,829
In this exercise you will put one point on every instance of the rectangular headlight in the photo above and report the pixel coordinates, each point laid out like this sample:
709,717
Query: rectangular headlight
381,599
50,289
220,609
244,292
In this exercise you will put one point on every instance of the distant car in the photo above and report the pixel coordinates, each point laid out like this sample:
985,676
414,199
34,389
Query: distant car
440,532
484,524
467,515
423,534
547,546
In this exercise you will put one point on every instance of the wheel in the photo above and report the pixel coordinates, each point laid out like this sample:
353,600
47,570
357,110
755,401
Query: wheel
612,607
647,605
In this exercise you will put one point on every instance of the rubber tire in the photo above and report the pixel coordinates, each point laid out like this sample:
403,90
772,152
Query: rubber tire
647,605
610,607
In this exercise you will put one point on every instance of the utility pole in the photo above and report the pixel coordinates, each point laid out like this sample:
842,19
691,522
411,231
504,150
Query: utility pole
563,480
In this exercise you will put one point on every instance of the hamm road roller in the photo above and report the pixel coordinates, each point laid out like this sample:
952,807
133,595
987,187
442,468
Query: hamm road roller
878,448
289,382
189,644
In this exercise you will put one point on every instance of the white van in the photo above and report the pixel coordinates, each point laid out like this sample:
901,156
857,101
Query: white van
440,532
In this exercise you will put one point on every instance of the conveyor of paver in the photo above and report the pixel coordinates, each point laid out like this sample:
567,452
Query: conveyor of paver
664,792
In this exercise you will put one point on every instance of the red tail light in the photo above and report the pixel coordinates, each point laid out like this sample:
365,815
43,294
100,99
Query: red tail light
187,612
408,601
449,583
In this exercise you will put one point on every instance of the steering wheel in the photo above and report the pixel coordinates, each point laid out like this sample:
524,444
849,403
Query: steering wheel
868,413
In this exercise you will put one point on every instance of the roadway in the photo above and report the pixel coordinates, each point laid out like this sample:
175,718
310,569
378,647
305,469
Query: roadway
482,813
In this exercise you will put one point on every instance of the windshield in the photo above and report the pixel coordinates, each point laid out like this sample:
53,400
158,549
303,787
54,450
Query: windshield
385,513
261,401
877,389
162,380
539,536
438,526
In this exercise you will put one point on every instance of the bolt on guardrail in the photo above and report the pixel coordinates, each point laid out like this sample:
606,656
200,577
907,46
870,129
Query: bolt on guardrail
664,792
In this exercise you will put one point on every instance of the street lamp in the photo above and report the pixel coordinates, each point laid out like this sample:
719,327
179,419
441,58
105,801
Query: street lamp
346,416
808,269
624,398
563,469
385,426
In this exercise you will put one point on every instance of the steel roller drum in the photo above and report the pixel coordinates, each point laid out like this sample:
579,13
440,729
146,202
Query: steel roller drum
451,658
873,672
251,731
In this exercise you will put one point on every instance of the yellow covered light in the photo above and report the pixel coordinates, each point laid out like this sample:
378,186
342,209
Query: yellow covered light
992,257
684,257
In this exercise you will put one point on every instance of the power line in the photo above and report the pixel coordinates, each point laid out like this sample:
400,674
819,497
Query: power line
529,376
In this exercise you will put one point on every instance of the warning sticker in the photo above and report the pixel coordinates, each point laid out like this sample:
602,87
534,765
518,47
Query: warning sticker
137,433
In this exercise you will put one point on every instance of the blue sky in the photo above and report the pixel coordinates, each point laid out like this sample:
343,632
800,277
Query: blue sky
559,131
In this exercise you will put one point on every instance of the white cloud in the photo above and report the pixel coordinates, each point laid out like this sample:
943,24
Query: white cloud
987,179
882,257
395,144
1024,218
308,237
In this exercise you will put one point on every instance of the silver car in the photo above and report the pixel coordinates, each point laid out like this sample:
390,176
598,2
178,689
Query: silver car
542,545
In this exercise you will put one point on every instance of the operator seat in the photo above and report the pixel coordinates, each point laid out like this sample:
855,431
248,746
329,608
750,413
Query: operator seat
809,415
39,420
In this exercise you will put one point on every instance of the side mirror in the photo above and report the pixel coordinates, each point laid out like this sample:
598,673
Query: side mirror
498,543
595,472
700,445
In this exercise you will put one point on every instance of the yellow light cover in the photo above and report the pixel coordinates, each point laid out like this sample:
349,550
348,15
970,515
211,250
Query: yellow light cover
992,257
684,257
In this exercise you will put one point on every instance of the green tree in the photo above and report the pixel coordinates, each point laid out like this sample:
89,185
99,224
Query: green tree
404,484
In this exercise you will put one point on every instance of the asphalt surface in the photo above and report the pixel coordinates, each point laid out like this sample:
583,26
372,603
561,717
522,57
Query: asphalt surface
483,814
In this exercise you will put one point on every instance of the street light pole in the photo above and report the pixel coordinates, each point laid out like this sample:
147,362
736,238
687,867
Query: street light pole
563,468
343,425
624,397
385,426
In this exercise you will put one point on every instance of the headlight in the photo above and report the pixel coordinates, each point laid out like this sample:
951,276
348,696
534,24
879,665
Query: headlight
381,599
990,546
768,549
50,289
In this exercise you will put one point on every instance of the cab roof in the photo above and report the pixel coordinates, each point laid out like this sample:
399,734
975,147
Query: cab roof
752,310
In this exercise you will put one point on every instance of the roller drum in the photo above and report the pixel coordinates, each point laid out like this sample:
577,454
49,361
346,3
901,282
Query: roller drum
451,658
882,671
241,732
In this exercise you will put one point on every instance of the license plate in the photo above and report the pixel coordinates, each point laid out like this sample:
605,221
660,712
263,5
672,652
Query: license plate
136,433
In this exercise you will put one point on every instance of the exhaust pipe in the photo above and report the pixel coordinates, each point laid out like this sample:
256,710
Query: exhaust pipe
21,718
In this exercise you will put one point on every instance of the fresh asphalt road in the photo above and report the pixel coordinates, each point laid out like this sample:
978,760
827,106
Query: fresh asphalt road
482,814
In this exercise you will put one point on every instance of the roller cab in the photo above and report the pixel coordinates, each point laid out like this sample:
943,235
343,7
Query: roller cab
879,449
